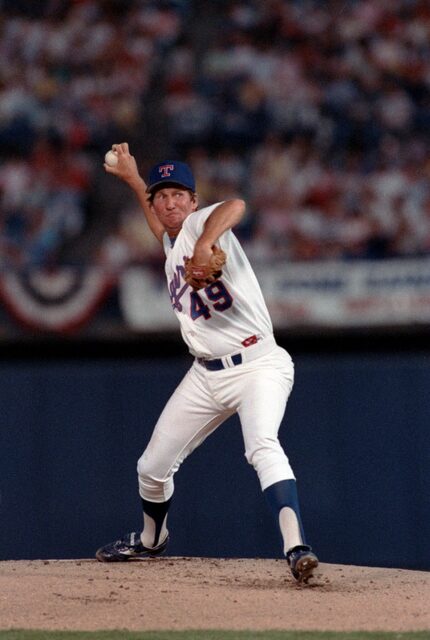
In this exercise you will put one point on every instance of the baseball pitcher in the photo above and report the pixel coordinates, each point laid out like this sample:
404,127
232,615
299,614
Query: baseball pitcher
237,367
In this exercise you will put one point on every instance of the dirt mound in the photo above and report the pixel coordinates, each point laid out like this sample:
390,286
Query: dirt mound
208,593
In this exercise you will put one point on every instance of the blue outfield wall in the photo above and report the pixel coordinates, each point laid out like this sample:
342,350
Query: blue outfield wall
356,430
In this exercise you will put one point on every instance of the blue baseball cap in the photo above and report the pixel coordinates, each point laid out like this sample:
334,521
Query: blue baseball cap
171,172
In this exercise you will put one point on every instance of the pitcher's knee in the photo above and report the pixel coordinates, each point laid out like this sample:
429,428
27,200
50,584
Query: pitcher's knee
261,449
153,484
269,461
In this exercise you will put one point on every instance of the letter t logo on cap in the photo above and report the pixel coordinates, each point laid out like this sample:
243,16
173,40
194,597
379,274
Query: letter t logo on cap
166,169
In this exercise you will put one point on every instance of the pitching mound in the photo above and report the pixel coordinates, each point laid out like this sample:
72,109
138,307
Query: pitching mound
207,593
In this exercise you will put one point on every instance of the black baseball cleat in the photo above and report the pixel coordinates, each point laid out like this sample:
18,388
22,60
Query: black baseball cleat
129,547
302,561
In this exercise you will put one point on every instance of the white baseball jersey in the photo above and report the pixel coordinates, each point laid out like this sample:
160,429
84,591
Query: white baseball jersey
225,316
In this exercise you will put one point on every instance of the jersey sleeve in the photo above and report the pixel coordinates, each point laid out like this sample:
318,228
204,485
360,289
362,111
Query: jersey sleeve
166,243
195,222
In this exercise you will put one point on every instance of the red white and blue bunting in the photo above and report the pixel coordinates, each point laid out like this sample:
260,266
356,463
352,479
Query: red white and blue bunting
59,300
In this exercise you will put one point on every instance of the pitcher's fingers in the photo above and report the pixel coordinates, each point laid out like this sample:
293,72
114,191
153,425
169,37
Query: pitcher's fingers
122,148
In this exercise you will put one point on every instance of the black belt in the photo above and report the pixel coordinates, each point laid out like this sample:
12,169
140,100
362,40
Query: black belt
217,364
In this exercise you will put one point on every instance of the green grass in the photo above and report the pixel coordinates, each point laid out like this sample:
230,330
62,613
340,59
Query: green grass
212,635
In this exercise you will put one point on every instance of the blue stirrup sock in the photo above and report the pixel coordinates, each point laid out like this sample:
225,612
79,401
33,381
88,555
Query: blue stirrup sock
154,518
280,495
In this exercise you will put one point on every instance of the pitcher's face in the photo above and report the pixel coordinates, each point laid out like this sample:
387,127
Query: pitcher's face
172,205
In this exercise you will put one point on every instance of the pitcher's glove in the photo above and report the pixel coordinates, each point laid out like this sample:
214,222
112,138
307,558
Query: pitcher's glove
199,276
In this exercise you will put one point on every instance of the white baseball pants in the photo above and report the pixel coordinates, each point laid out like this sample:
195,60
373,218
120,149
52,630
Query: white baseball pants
257,390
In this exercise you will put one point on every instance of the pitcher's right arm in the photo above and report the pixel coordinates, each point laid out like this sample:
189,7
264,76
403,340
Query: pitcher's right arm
127,170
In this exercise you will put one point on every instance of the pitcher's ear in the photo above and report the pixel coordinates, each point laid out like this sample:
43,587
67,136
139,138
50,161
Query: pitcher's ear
195,201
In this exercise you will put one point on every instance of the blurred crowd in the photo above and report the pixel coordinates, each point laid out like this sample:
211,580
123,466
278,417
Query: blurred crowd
317,113
73,80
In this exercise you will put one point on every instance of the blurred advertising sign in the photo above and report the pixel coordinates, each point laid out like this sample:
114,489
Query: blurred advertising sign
145,301
315,294
351,294
330,294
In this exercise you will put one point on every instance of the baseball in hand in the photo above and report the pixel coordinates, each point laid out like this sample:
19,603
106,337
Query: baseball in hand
111,158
